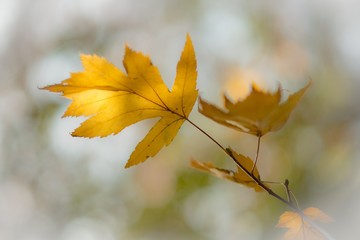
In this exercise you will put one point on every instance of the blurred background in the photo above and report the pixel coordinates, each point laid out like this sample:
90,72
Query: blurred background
53,186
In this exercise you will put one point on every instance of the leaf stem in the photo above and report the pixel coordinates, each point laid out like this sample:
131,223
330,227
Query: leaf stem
257,154
211,138
272,182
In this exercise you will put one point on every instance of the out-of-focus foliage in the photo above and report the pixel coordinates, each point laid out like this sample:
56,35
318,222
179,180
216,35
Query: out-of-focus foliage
53,186
114,101
300,228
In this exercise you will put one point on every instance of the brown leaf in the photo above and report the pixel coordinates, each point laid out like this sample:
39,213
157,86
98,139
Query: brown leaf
258,114
238,176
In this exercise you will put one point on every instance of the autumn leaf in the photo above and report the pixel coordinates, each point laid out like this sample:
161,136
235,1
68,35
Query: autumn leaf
238,176
302,229
113,100
259,113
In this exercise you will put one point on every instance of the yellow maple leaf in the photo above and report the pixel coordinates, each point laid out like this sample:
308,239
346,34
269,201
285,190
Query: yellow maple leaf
258,114
238,176
300,228
114,100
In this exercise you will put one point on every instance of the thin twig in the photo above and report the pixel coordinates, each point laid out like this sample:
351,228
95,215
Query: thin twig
287,189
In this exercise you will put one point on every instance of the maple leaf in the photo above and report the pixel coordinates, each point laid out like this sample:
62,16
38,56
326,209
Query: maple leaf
258,114
114,100
300,228
238,176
